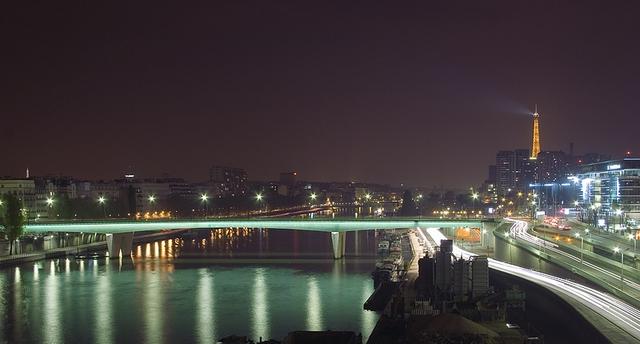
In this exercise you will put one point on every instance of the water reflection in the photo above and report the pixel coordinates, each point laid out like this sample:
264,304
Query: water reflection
259,312
53,322
205,304
153,308
167,298
246,242
103,310
314,306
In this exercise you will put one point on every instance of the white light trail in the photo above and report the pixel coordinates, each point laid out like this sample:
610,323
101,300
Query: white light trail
621,314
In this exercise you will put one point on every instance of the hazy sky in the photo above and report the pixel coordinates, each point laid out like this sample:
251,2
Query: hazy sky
423,94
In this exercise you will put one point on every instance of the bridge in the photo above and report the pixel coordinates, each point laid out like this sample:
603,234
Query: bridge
120,232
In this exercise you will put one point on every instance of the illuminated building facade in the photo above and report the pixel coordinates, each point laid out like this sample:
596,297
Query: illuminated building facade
611,186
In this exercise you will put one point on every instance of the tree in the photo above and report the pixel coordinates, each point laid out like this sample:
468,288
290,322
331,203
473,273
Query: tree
408,204
13,219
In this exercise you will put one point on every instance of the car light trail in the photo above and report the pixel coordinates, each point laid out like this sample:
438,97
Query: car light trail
619,313
519,231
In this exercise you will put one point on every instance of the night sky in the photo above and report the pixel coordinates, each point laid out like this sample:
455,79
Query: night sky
423,94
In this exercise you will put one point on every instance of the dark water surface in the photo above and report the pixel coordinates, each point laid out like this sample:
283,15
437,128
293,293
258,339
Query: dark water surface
229,284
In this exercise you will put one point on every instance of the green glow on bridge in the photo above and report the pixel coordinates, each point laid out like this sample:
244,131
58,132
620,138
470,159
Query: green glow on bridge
318,225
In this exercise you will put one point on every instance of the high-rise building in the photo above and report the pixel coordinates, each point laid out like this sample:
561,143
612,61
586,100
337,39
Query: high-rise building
461,280
552,167
505,172
479,276
535,143
230,181
444,271
524,170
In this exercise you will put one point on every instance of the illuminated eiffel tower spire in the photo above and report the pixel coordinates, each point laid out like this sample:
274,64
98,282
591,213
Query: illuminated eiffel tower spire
535,144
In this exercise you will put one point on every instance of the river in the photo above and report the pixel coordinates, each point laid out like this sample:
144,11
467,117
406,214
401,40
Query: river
198,288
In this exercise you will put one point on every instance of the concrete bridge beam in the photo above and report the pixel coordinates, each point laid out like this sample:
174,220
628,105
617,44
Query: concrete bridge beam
119,243
338,244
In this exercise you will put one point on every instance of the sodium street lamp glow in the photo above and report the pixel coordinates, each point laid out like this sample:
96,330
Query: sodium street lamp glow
313,196
475,196
49,201
151,198
101,199
259,197
618,212
204,197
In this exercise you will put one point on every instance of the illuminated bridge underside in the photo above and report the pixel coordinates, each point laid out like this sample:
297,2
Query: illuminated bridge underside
317,225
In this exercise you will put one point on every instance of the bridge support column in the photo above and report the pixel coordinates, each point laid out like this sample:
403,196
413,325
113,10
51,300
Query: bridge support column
337,243
118,242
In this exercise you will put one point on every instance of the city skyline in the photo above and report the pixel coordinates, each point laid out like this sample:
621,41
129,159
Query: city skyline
257,87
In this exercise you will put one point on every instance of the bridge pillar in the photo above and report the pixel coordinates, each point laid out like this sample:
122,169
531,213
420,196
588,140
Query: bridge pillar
117,242
337,243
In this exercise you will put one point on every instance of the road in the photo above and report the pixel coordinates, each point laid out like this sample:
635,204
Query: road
617,320
596,268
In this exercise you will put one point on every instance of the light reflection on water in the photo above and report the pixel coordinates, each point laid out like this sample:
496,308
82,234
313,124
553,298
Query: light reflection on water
161,298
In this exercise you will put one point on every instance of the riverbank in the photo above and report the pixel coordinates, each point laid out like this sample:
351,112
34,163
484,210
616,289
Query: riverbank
17,259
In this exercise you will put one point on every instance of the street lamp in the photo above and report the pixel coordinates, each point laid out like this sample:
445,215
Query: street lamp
631,237
101,201
618,250
484,243
619,213
509,243
577,235
152,200
313,196
50,201
474,197
204,198
259,197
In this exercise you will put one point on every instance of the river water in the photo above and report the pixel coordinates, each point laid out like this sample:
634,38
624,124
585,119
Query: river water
197,288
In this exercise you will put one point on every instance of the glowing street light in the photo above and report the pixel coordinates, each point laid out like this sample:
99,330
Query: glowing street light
102,201
367,196
151,198
204,198
259,197
618,250
578,236
313,196
50,201
632,237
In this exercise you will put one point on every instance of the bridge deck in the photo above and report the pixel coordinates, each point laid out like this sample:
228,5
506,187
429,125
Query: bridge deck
318,224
